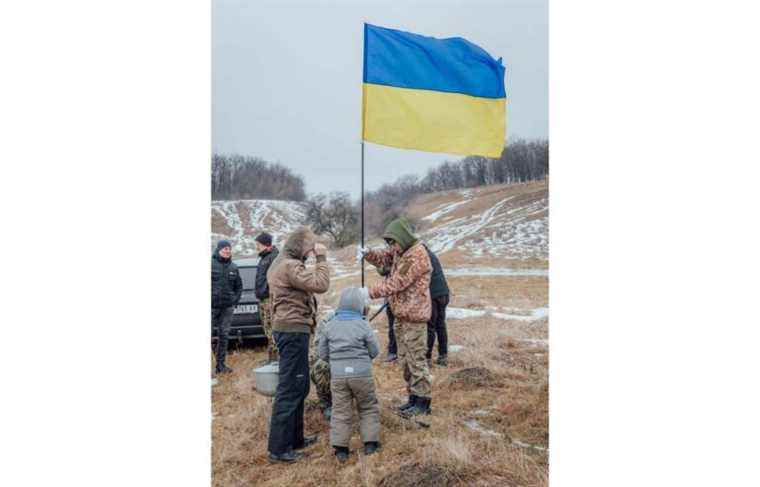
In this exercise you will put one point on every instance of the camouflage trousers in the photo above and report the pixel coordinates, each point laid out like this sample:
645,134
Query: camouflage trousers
265,312
412,346
320,376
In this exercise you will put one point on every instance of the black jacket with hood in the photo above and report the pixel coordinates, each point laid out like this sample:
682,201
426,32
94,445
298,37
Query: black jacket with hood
438,285
226,284
265,260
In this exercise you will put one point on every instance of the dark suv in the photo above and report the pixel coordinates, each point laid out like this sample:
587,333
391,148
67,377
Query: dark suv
246,322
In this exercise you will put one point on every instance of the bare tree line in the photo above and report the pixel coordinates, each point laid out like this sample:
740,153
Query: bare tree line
334,214
236,177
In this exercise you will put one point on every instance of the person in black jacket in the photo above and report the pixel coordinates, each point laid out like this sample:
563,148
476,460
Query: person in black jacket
267,254
439,293
226,288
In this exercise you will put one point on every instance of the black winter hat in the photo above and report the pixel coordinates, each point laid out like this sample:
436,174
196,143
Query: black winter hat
222,244
264,239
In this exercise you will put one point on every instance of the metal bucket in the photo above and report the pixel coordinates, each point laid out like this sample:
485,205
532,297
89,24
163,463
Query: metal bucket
267,378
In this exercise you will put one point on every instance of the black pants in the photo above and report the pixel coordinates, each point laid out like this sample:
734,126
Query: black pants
437,326
392,347
221,318
286,425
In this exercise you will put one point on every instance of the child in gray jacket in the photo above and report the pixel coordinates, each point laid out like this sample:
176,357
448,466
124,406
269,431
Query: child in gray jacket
349,345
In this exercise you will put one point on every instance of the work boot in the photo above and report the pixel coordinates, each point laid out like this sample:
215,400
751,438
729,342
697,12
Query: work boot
371,447
223,370
443,360
421,406
429,361
412,400
341,453
392,357
287,457
307,442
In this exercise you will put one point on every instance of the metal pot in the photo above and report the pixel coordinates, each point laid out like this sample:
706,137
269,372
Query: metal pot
267,378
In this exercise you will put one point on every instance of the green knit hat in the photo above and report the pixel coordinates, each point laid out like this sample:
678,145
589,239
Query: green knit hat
400,231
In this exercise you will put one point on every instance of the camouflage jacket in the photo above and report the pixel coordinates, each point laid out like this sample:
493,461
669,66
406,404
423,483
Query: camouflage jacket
408,285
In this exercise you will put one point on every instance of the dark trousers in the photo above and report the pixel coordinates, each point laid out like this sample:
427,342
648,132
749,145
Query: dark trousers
392,347
286,425
437,326
221,318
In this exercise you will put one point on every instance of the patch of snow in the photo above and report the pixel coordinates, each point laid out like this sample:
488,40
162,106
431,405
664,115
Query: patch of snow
442,210
475,426
214,382
455,348
496,271
463,313
445,237
528,445
536,314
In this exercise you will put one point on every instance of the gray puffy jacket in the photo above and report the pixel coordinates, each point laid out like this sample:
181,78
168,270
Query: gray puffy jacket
348,343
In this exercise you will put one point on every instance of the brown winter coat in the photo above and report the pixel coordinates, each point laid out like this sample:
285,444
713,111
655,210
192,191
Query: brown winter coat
408,287
292,285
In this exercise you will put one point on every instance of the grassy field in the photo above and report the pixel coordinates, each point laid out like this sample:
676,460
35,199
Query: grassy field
490,411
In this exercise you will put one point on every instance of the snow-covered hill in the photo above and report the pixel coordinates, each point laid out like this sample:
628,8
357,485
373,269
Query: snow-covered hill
241,220
506,221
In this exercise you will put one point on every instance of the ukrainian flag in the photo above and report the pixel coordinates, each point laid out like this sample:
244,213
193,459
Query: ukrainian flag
435,95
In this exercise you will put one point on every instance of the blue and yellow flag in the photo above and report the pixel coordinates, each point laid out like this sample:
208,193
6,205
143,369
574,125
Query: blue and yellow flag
435,95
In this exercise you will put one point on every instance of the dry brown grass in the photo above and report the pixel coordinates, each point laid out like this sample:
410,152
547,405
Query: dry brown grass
510,405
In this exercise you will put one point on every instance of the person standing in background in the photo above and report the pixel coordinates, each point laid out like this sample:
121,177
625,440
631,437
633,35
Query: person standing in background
226,289
439,294
267,254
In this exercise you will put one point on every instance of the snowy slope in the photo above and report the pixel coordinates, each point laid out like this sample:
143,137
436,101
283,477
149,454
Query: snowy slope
240,221
510,221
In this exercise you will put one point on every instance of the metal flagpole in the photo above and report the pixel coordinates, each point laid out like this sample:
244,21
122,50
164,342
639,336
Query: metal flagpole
364,108
362,206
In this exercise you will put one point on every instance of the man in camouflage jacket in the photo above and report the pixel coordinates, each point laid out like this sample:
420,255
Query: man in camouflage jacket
408,292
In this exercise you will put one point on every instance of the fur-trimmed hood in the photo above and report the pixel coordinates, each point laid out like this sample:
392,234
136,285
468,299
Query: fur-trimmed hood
299,242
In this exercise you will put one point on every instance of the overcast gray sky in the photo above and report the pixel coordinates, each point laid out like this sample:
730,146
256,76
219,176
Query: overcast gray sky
287,79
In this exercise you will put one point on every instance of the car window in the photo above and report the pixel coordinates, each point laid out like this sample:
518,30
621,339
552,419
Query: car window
248,275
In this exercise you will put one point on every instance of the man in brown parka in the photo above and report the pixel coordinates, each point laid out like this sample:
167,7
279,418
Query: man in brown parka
294,310
408,292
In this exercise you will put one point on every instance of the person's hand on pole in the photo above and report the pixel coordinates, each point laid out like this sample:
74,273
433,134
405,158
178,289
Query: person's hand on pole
360,253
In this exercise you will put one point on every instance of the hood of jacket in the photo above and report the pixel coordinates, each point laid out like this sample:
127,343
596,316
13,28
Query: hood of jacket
400,231
352,300
299,242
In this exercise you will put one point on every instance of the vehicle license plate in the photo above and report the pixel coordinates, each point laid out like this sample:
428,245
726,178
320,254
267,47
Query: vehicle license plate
246,308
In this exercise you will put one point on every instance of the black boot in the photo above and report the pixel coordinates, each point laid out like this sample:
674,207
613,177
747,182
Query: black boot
421,406
409,403
341,452
371,447
392,357
287,457
443,360
223,370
